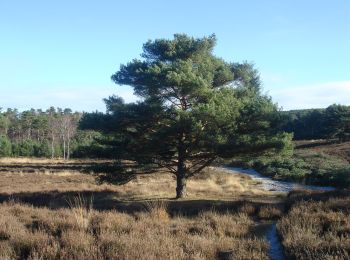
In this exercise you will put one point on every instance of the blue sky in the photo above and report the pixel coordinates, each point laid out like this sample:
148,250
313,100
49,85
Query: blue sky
62,53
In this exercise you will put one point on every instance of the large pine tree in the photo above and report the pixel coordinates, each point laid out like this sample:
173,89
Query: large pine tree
194,108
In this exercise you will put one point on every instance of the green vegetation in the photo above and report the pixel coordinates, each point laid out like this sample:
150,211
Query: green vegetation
51,133
305,166
5,146
314,162
338,122
306,124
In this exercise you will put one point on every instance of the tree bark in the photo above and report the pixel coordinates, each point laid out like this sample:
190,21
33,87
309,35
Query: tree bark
181,190
181,169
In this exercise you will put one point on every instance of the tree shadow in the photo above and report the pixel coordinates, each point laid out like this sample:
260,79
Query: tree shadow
314,144
83,167
109,200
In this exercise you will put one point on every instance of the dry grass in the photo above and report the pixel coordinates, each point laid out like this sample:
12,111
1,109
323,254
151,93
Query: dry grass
33,233
270,212
67,227
248,208
340,150
72,229
28,160
317,230
213,184
158,210
82,210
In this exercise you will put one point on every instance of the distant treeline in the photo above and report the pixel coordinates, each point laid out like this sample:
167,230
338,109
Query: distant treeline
55,132
332,122
51,133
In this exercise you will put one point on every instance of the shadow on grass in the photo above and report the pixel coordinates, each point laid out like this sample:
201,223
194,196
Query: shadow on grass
83,167
297,196
313,144
108,200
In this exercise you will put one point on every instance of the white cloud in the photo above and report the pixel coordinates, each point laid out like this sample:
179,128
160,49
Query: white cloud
312,96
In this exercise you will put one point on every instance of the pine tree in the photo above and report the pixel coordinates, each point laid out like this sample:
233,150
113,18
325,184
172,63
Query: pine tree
194,108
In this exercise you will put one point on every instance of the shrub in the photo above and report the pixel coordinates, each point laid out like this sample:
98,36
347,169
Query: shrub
5,147
42,149
317,230
304,166
23,148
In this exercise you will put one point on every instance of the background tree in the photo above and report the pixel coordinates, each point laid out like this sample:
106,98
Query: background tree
53,128
338,122
306,124
194,108
38,133
323,123
5,146
68,126
4,124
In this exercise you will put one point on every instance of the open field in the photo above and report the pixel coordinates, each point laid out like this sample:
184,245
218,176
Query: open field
39,181
341,150
53,209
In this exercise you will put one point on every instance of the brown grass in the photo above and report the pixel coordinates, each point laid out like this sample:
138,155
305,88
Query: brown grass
17,175
28,160
66,226
341,150
82,210
72,229
270,212
33,233
158,210
317,230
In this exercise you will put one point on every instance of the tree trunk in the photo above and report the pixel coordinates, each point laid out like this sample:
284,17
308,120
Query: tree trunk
68,150
52,147
181,190
181,169
68,145
64,148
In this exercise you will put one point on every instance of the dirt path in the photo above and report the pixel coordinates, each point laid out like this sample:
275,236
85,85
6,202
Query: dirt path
269,184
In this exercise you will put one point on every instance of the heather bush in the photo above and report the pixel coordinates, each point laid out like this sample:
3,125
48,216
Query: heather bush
83,233
317,230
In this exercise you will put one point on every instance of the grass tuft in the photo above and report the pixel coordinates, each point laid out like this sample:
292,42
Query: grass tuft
82,210
158,210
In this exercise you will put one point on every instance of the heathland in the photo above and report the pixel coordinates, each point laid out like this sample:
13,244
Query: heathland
54,209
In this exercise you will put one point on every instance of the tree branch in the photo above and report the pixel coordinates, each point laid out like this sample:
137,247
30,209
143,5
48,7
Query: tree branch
207,163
